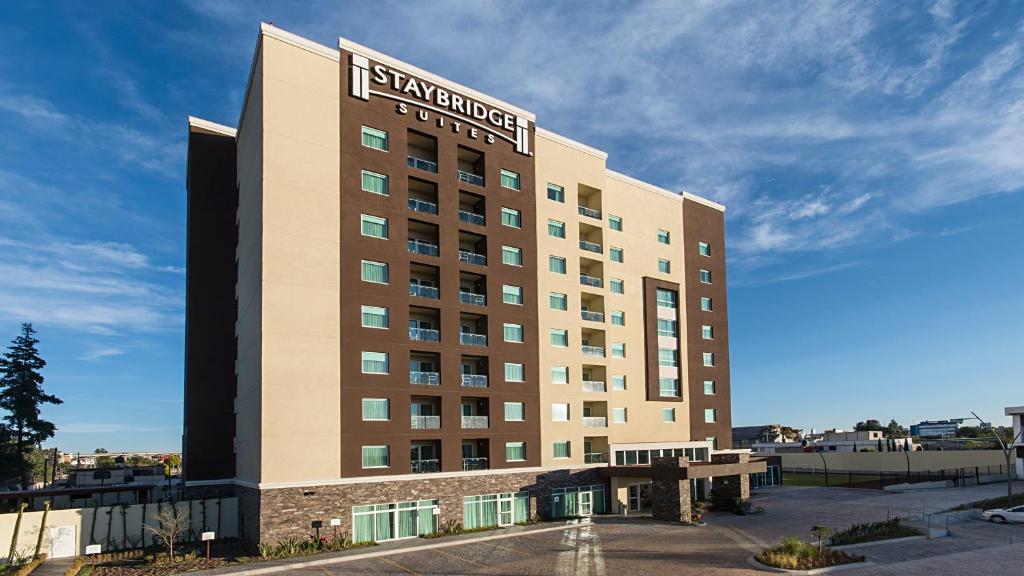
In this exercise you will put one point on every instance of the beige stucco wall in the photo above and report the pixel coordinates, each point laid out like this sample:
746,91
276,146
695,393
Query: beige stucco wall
643,212
894,461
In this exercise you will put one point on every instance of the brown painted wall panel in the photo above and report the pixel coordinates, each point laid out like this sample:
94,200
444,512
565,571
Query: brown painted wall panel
653,368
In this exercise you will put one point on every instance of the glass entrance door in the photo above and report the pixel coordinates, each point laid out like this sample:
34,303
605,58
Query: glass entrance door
505,510
586,506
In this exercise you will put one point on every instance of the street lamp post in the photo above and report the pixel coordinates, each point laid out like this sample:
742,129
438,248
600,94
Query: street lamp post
1007,453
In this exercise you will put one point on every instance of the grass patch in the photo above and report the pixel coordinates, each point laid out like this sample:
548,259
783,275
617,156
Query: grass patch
795,554
872,531
1000,502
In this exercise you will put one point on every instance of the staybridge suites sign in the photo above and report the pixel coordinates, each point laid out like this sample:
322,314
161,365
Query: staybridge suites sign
458,112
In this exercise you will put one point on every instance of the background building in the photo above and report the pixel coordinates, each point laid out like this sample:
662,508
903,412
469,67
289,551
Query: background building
1017,413
936,428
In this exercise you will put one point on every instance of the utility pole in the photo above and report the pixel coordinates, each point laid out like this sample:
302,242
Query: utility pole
1008,454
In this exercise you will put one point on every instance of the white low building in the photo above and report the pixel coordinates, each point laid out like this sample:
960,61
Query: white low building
1017,412
837,441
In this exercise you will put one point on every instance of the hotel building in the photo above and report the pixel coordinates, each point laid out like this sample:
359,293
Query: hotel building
408,304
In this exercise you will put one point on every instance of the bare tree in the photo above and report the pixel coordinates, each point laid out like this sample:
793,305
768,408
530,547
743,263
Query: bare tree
171,523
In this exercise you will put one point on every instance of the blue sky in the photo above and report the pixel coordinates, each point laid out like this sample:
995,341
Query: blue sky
871,156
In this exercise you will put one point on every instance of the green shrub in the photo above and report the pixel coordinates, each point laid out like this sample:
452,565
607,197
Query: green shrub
795,554
871,531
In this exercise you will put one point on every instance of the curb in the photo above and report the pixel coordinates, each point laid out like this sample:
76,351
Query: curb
879,542
851,566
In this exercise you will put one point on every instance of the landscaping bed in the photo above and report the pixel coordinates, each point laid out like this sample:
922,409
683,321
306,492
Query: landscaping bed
795,554
871,532
1000,502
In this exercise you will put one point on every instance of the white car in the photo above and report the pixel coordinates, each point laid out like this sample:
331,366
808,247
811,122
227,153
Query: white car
1000,515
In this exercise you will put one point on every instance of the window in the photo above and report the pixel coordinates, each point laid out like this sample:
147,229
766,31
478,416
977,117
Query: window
668,387
705,303
615,223
668,357
376,457
514,411
556,264
705,277
376,272
616,286
710,415
511,255
707,332
556,228
375,183
514,372
559,337
509,179
663,237
511,218
558,301
664,266
513,332
515,451
511,294
704,248
373,138
376,409
618,318
668,328
559,412
618,349
559,374
615,254
374,226
375,317
709,387
556,192
619,415
666,298
668,415
561,449
709,359
618,382
375,362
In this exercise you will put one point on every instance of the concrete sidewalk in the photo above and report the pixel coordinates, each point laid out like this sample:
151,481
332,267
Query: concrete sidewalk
56,567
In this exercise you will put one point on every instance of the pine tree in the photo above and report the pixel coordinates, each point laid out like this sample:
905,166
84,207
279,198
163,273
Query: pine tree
21,395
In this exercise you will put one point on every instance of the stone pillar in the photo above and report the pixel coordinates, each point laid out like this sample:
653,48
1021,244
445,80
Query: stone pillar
726,490
670,490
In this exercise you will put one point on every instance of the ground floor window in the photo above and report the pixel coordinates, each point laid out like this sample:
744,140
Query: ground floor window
381,522
770,477
577,501
489,510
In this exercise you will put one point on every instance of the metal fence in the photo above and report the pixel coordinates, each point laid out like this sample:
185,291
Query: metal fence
955,477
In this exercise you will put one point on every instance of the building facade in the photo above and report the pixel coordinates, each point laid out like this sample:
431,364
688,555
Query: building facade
406,303
1017,413
936,428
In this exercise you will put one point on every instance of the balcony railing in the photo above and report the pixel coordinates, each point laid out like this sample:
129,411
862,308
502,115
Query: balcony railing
425,378
422,206
585,211
470,177
470,339
591,281
423,247
472,298
431,292
421,164
425,466
474,422
424,335
472,258
593,351
474,463
594,386
472,217
474,380
591,246
592,316
426,422
595,458
595,421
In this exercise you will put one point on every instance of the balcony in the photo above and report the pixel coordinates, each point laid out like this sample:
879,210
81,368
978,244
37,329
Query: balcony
474,380
593,351
591,281
591,247
424,335
425,466
594,386
589,212
469,177
426,423
471,339
595,458
472,258
472,298
425,378
472,217
431,292
595,421
474,464
474,422
422,206
423,247
421,164
592,316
